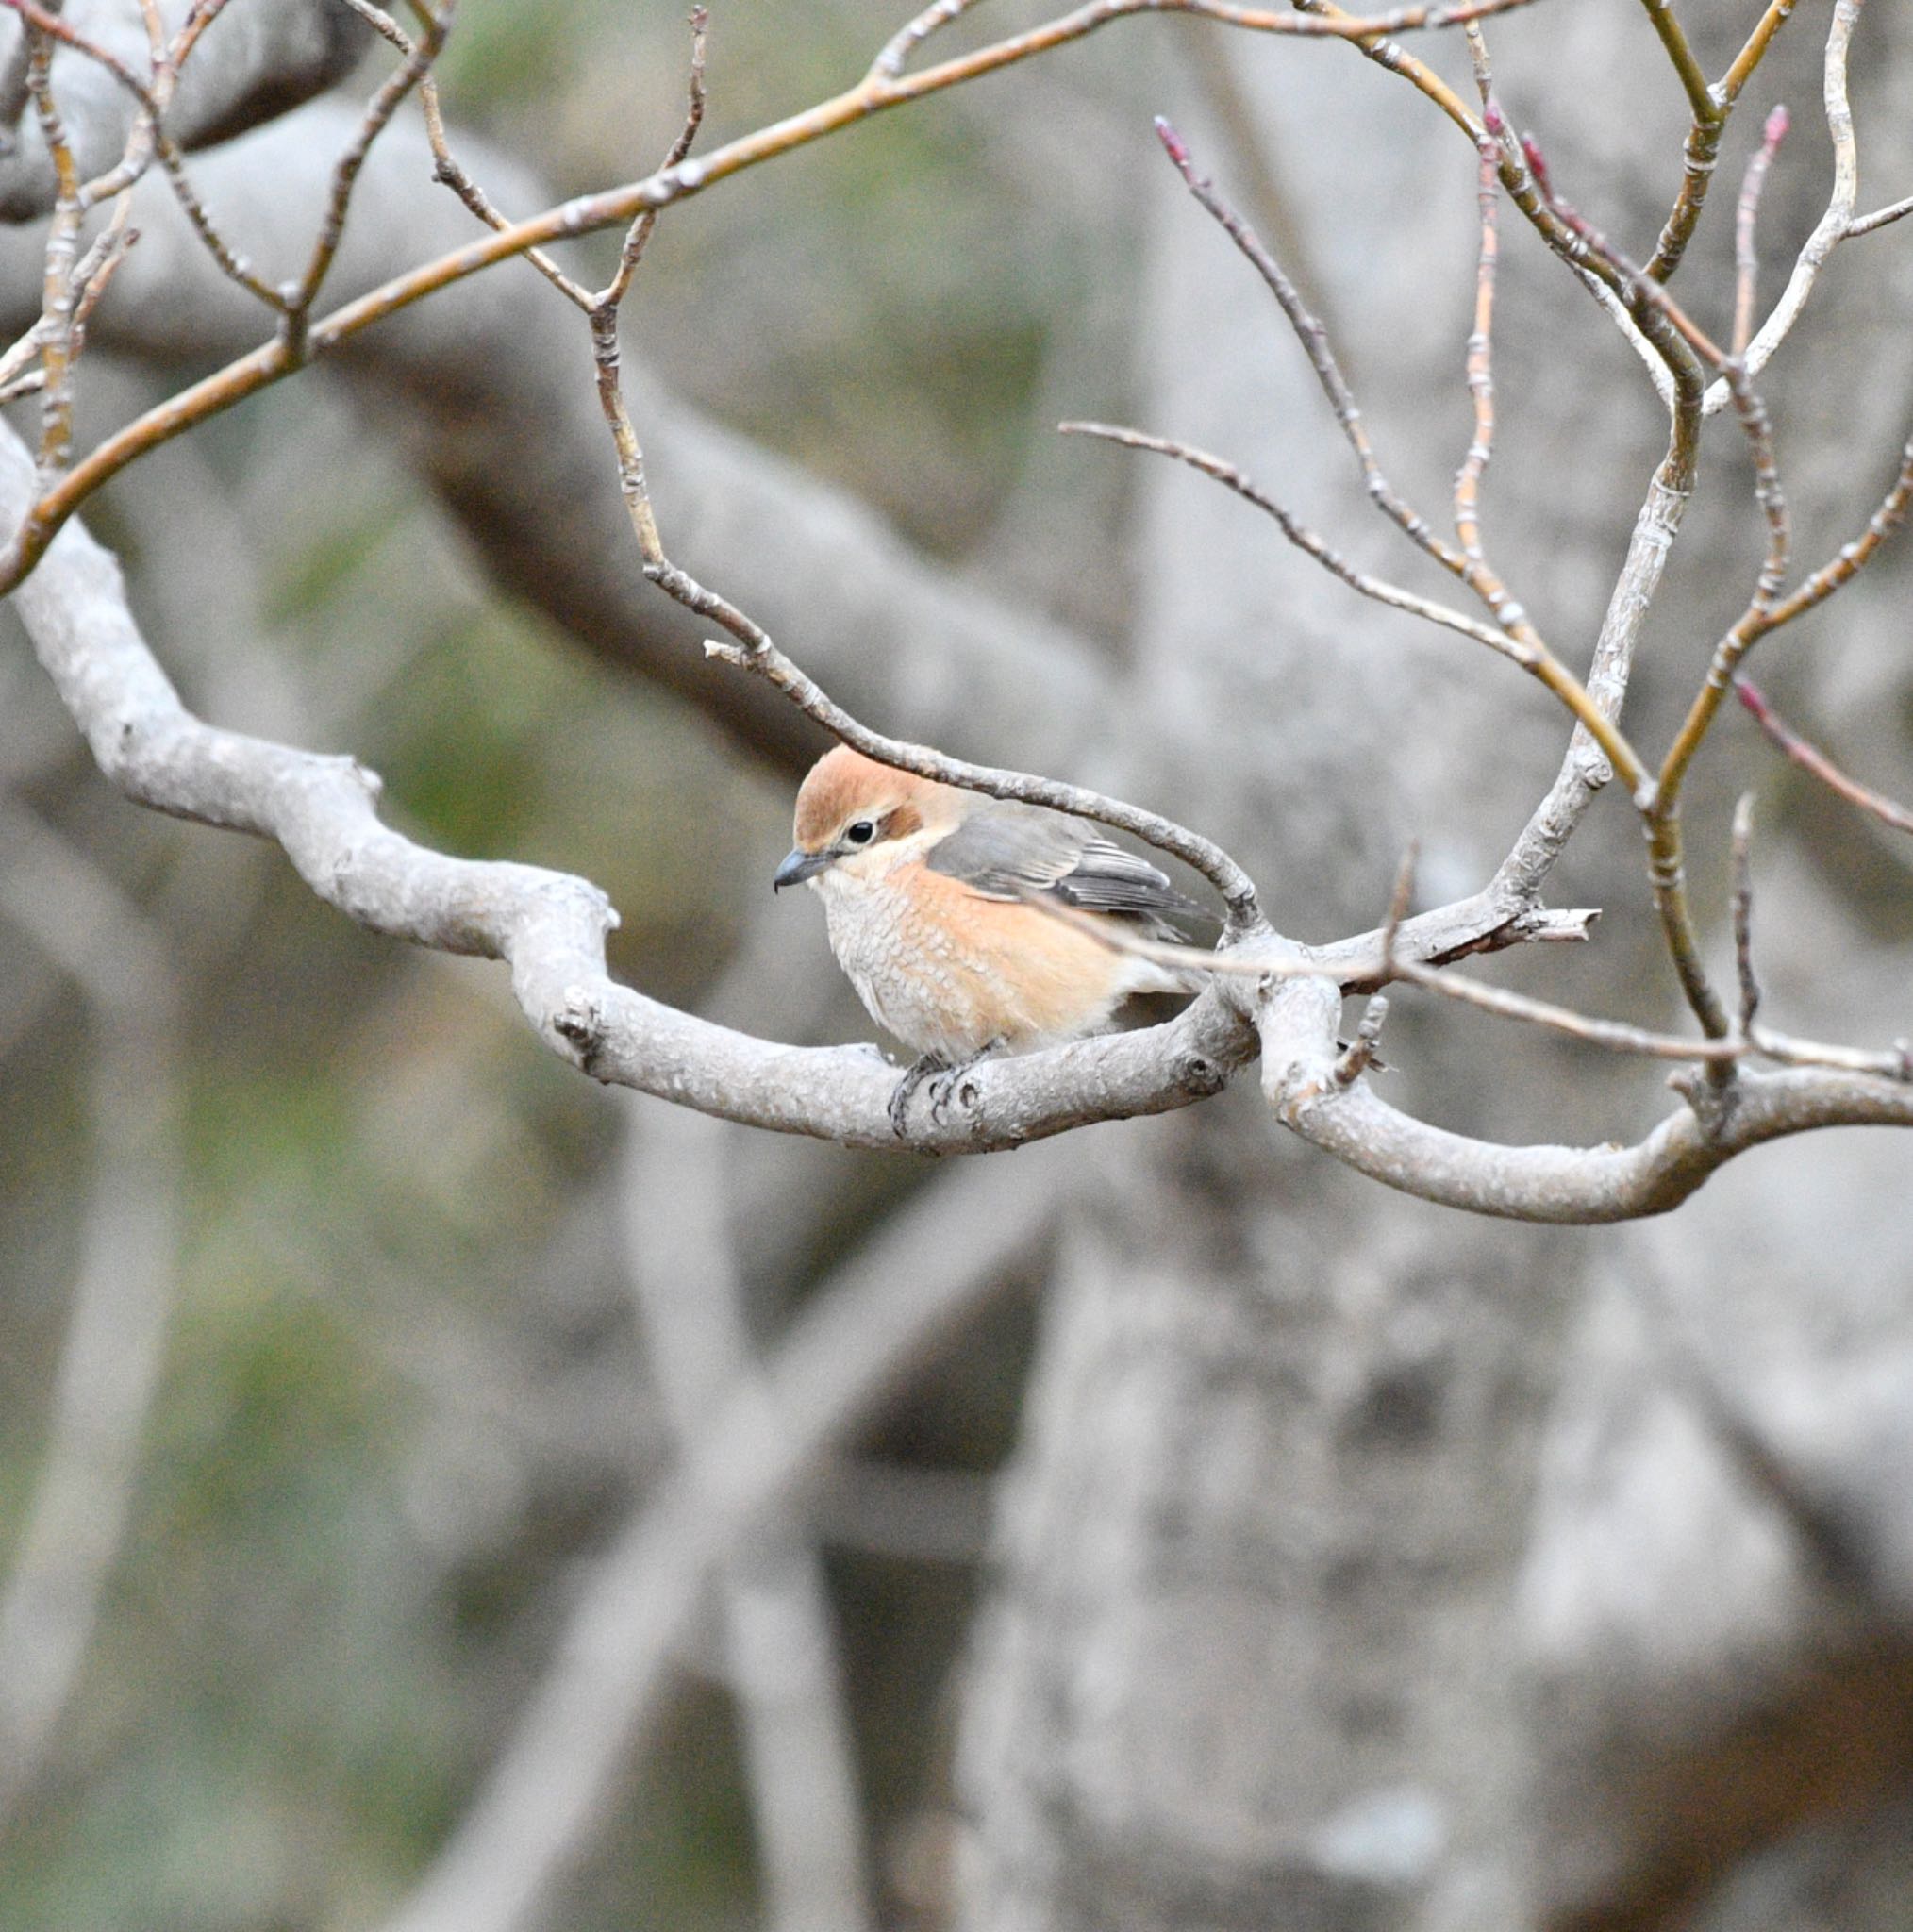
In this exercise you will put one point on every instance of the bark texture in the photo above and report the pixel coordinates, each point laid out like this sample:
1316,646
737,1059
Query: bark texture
1365,1566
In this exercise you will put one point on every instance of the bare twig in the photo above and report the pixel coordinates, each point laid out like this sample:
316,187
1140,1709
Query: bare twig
382,23
448,168
1387,965
1309,543
1398,904
1746,259
300,295
1711,106
1743,911
899,47
15,92
1865,224
1700,96
1832,227
1480,357
1674,39
1313,336
618,207
1539,660
639,232
1364,1051
57,302
1809,758
1762,616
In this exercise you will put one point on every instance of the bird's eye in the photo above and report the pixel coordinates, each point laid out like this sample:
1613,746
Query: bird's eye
861,833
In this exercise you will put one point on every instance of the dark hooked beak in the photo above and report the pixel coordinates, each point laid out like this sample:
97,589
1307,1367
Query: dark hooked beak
798,866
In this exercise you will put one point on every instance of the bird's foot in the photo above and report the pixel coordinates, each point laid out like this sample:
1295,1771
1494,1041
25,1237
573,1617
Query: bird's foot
914,1076
945,1076
947,1084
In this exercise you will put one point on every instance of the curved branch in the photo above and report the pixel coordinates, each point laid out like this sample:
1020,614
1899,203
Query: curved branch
1832,225
1577,1186
548,927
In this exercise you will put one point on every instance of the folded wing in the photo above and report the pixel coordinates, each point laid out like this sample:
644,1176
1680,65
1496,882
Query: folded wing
1011,851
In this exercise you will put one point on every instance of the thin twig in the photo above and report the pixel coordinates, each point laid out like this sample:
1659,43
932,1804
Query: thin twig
1700,96
57,301
1480,363
1832,226
1865,224
1386,966
1309,542
1746,259
14,91
1762,616
1539,660
1809,758
272,362
301,294
1743,911
1767,491
899,47
149,134
1364,1051
447,168
382,23
1398,904
1712,105
640,231
1613,1036
1313,336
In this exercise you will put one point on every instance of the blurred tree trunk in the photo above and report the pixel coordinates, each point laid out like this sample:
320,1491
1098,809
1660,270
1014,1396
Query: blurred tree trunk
1253,1657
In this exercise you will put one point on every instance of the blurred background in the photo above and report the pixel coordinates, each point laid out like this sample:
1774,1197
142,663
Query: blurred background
1360,1566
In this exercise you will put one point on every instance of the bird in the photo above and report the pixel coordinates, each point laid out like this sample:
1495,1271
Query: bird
932,898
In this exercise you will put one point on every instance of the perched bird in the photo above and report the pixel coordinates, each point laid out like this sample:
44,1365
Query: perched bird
927,893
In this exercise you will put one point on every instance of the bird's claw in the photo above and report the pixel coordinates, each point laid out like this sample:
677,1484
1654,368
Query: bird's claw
943,1089
914,1076
945,1079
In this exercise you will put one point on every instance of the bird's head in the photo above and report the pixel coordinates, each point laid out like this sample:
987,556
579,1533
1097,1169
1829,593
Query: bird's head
860,818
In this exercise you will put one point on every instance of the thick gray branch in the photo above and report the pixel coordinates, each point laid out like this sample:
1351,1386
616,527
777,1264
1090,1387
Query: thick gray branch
1575,1185
548,927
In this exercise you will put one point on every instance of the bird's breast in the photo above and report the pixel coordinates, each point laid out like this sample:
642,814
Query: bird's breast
951,973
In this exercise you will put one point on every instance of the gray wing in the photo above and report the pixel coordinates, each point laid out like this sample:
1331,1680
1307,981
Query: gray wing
1006,851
